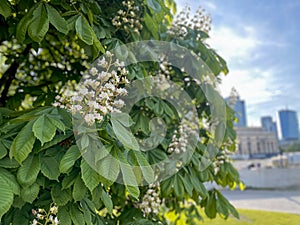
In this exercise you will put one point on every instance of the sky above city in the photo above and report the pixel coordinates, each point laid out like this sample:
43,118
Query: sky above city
260,40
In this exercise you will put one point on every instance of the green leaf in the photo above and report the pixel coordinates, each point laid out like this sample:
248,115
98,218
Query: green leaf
153,4
69,159
107,201
57,139
49,167
151,25
123,118
76,215
6,197
178,187
5,9
134,191
59,196
64,216
69,180
57,20
109,168
210,208
130,180
3,150
84,30
79,189
89,176
39,24
29,194
9,163
97,44
10,180
57,123
124,136
187,184
23,143
44,129
28,172
87,212
145,167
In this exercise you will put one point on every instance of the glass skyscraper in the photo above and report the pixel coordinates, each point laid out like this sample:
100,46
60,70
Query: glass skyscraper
288,125
269,125
240,111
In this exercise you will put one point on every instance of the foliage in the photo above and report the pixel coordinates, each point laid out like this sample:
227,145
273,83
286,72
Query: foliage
47,45
293,147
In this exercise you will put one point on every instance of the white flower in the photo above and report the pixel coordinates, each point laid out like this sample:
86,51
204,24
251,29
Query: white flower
83,91
75,108
54,209
104,95
94,71
119,103
121,91
101,62
56,221
110,86
76,98
104,76
89,119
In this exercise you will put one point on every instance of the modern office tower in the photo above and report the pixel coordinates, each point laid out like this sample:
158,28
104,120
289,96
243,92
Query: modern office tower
269,125
238,106
288,125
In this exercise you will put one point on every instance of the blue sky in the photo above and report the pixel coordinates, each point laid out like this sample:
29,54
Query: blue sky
260,40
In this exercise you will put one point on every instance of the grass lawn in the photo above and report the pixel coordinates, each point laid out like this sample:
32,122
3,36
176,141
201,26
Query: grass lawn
254,217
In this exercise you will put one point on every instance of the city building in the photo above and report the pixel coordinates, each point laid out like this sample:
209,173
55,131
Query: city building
288,125
255,142
269,125
239,107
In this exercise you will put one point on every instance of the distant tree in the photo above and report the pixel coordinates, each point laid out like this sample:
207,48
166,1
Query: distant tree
45,48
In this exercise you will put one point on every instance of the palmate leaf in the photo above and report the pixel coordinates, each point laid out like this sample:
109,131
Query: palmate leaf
107,201
49,167
69,159
5,9
76,215
39,24
44,128
153,4
79,189
124,136
89,175
10,180
23,143
6,197
59,196
64,216
57,20
109,168
84,30
29,194
28,172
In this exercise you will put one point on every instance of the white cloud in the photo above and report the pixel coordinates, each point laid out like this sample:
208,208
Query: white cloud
233,46
253,83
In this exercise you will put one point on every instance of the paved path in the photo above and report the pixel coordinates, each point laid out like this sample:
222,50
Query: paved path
280,201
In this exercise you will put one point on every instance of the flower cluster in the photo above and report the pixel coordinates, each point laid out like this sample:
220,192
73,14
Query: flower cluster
98,92
180,138
44,217
151,201
181,23
128,18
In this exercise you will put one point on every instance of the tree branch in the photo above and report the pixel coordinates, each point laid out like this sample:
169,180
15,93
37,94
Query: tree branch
9,75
